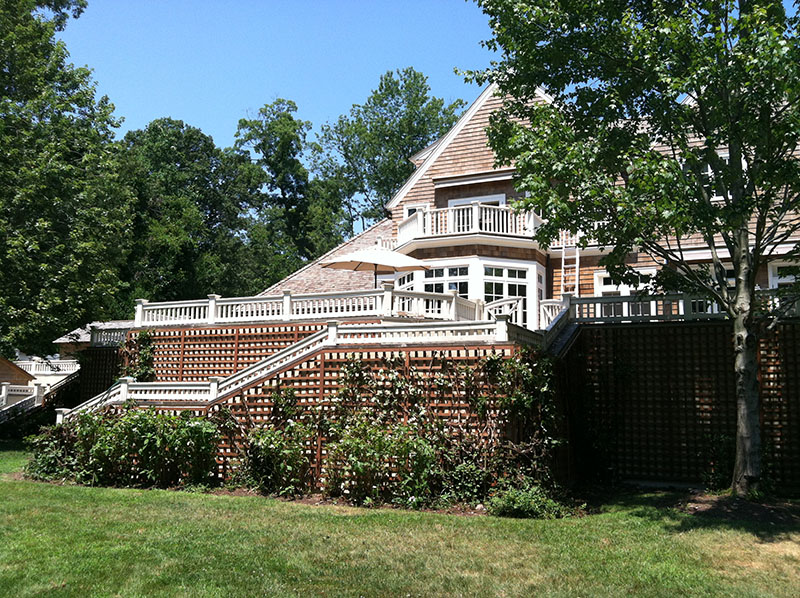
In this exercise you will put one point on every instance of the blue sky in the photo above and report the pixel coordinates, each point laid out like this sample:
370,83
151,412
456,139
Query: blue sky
211,63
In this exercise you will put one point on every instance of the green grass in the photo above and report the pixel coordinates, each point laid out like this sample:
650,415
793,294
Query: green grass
76,541
12,456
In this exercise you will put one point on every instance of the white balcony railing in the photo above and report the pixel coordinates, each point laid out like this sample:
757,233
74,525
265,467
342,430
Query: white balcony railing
473,218
377,303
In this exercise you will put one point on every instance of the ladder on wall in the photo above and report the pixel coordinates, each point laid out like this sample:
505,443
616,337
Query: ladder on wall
570,265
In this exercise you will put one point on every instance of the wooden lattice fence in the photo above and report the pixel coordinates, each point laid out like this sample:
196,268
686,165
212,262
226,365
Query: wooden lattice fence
656,402
192,354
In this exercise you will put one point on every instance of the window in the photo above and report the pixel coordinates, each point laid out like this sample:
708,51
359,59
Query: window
489,200
452,278
413,209
605,286
712,187
406,281
492,291
781,274
503,283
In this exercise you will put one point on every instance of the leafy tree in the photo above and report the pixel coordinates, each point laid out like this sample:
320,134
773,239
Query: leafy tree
62,207
300,217
191,205
367,150
619,147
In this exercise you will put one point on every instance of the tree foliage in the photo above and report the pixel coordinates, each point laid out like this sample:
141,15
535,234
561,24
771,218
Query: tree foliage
62,207
190,208
367,150
299,217
669,121
89,223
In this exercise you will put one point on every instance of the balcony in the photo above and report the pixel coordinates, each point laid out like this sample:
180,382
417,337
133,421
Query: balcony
473,219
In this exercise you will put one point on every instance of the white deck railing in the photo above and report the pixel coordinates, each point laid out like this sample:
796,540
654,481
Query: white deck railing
641,308
49,367
378,303
473,218
335,335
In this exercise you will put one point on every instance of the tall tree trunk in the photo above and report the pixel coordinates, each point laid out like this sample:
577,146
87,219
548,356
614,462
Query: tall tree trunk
747,470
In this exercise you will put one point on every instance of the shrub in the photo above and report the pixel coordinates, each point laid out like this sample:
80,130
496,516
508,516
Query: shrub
467,482
360,461
275,461
530,502
135,448
53,454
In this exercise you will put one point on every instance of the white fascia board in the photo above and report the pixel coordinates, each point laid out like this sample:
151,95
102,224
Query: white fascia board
471,179
703,254
445,141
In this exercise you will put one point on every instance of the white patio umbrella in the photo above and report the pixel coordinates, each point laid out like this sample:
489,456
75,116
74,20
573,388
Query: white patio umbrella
378,261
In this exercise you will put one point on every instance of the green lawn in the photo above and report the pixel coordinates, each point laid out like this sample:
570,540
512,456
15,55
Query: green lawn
75,541
12,456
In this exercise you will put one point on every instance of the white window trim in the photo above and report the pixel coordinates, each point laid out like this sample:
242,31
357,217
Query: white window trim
772,270
624,289
420,207
462,201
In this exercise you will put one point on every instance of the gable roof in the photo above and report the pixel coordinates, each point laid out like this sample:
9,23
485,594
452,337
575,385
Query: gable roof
434,150
10,370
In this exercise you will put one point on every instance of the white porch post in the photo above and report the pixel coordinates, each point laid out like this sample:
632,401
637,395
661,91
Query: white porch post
501,328
138,318
333,332
480,310
420,222
212,308
476,216
38,393
287,305
124,382
388,289
213,382
453,295
4,393
60,413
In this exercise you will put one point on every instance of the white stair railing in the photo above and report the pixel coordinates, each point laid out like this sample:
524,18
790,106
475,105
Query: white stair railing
513,307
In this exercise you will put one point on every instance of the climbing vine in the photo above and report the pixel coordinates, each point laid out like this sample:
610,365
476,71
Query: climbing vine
138,357
408,435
